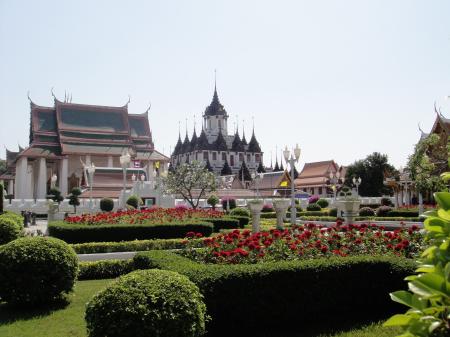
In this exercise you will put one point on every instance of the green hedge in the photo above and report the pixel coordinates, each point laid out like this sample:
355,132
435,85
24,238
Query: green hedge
268,215
93,270
222,223
293,295
403,213
75,233
127,246
243,220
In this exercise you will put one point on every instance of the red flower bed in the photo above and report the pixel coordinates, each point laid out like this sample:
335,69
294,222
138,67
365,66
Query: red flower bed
305,241
147,216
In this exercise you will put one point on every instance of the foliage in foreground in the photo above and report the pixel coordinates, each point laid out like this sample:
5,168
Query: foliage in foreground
11,227
429,291
148,303
36,270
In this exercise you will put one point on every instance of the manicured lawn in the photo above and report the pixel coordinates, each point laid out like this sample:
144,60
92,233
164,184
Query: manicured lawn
58,322
69,321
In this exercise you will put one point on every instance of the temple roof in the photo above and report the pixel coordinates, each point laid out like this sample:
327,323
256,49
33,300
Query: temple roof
215,108
186,144
237,144
178,147
202,142
220,143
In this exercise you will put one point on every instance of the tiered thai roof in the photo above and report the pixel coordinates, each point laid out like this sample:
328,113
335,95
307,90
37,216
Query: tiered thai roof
178,147
316,174
186,144
220,143
70,128
10,171
202,142
194,140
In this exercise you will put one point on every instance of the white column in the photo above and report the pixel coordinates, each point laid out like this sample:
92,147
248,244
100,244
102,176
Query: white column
21,177
88,159
11,187
63,176
110,161
420,203
150,170
41,185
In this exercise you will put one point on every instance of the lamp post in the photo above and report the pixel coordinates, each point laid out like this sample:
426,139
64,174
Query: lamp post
53,180
292,158
225,185
91,171
125,159
334,181
357,182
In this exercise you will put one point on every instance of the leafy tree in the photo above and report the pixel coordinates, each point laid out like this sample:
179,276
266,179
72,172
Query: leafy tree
372,171
428,161
244,173
226,169
73,198
213,200
261,168
208,166
55,194
190,180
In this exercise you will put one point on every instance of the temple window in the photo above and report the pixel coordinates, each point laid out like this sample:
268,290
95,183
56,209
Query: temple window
257,158
241,157
248,157
205,155
224,156
214,155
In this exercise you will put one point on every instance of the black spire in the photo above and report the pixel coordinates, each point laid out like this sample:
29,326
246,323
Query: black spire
244,141
276,168
281,166
178,147
215,108
253,146
237,144
186,144
220,144
202,142
194,140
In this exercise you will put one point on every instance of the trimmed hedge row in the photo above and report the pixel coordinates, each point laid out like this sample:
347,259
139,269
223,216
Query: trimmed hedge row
403,213
243,220
76,233
272,215
222,223
93,270
297,294
127,246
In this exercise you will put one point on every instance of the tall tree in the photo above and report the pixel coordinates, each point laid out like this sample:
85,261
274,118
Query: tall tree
261,168
429,160
244,173
226,169
191,180
372,171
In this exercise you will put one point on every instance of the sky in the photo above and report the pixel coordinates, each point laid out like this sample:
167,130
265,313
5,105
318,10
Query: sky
340,78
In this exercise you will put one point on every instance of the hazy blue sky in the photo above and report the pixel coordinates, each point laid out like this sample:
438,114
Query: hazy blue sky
341,78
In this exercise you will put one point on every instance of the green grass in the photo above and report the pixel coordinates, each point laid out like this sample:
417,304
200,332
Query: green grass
68,320
60,321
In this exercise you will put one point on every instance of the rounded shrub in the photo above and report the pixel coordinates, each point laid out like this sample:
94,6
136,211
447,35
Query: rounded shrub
383,210
147,303
11,227
240,211
268,208
106,204
333,212
212,200
313,207
35,270
134,201
322,203
366,211
386,202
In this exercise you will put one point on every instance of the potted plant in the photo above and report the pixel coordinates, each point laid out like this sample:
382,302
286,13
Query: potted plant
255,206
281,206
348,203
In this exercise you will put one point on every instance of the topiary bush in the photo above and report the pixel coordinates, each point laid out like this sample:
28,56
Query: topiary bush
366,211
322,203
212,200
134,201
106,204
148,303
313,207
36,270
383,210
73,198
386,202
241,211
267,208
56,195
11,227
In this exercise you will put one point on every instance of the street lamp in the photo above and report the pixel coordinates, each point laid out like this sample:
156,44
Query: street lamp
334,181
125,159
291,159
225,185
91,171
53,180
357,182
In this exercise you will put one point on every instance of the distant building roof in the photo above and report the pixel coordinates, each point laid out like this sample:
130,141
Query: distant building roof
316,173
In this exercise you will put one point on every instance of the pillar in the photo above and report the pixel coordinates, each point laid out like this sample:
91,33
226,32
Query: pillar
88,159
110,161
420,203
11,187
63,176
21,177
41,185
